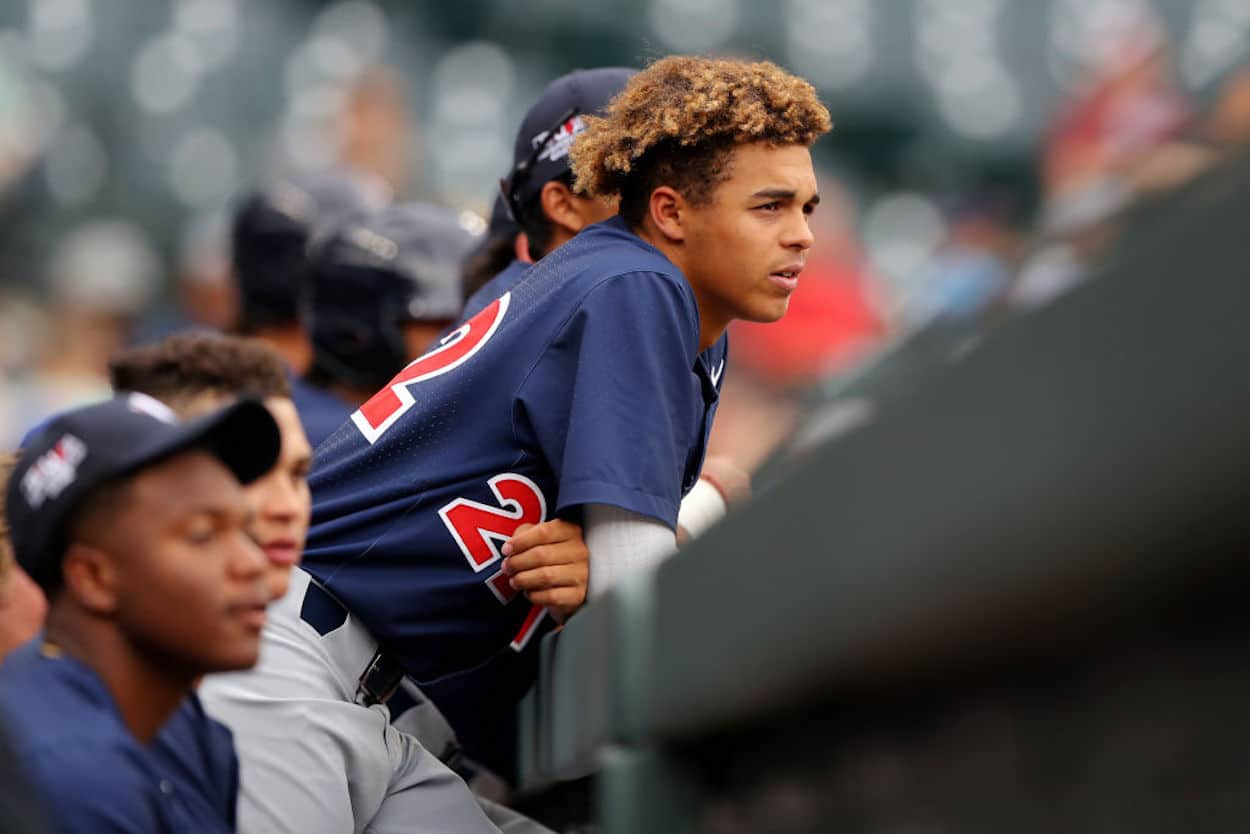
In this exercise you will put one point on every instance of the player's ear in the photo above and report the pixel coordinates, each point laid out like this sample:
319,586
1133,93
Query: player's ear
559,207
667,210
90,577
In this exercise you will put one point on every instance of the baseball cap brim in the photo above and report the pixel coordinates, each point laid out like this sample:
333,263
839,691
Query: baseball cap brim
243,436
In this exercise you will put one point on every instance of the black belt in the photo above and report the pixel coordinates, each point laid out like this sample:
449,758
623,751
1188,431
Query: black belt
381,677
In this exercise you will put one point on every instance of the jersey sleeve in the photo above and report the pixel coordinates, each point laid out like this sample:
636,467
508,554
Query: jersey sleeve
613,400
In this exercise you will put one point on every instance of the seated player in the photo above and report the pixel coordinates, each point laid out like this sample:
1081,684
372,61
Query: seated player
136,528
378,291
584,393
196,374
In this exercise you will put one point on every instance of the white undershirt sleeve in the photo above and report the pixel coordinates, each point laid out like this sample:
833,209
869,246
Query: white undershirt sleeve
623,542
702,507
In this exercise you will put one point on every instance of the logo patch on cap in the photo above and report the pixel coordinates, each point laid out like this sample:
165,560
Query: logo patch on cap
561,140
54,471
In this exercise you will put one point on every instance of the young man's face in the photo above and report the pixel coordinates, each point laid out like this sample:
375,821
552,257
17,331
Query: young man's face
745,248
281,499
189,581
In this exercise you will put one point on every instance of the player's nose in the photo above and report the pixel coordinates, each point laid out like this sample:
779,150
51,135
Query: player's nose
246,559
797,234
281,501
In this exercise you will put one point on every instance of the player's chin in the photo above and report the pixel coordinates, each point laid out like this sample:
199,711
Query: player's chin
238,644
277,581
242,652
767,308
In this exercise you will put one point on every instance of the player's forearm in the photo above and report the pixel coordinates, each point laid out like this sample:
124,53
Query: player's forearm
622,543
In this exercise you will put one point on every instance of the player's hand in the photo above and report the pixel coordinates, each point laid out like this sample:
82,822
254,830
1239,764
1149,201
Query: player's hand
550,564
730,480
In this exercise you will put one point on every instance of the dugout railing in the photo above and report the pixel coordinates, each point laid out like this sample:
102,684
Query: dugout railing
1012,599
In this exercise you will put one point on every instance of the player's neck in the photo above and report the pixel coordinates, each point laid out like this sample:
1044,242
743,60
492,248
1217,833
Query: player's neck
290,342
351,395
145,690
711,324
711,327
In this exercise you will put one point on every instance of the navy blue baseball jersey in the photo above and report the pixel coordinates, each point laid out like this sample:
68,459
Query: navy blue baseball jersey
714,357
492,289
90,771
320,411
196,755
583,384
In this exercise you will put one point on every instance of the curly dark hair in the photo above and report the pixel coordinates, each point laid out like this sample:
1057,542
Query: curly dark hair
677,122
186,366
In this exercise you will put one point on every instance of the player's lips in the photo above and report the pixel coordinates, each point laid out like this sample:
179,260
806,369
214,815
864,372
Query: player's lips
788,276
251,612
281,551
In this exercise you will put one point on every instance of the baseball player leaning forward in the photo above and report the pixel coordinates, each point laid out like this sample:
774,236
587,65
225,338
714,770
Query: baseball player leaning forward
583,393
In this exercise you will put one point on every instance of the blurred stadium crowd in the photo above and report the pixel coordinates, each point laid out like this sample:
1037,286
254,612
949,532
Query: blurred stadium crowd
984,157
975,167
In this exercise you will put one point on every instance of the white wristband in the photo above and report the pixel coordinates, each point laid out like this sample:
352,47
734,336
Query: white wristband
702,507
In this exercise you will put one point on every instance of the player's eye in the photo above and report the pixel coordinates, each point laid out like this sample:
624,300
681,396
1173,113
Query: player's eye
201,534
775,205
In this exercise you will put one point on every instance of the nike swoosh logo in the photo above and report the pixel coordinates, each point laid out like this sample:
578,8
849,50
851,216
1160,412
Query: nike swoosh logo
716,373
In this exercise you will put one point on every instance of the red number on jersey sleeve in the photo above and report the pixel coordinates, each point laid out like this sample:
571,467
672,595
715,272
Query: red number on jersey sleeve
388,405
479,529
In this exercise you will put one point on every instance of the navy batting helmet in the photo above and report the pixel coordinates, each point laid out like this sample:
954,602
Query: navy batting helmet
271,230
371,276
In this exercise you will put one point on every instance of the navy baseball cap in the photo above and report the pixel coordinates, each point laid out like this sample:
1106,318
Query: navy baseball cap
77,451
541,151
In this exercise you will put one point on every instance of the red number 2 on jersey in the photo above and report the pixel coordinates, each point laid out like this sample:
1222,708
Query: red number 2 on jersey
479,529
388,405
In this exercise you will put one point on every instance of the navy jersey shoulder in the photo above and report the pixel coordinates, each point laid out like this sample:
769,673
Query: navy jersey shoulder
90,772
582,384
320,411
492,289
196,755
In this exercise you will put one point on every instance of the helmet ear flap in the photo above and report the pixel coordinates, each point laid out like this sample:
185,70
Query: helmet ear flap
359,343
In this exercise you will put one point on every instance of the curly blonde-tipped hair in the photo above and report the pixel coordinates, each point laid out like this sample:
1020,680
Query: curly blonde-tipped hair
677,121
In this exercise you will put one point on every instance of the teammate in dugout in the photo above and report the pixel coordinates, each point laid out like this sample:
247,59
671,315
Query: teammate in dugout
503,243
135,526
378,290
538,191
583,393
22,604
271,230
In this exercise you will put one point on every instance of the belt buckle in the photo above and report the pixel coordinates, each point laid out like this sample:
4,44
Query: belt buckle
379,681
